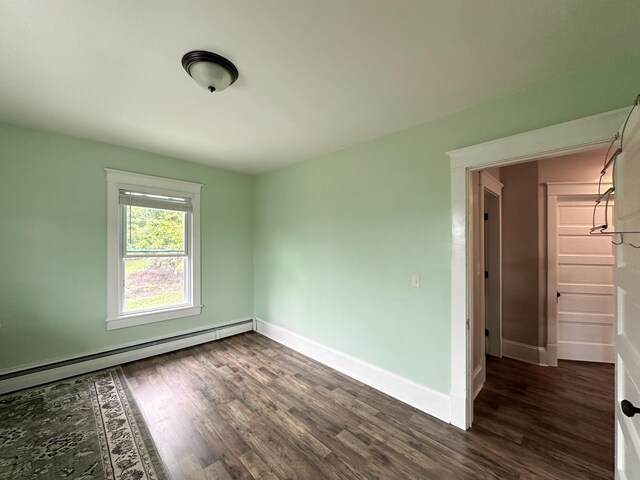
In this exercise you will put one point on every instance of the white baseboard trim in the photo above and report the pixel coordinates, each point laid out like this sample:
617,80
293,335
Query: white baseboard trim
479,377
49,372
524,352
423,398
587,352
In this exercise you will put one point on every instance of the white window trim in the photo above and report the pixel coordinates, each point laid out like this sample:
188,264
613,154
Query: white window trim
116,180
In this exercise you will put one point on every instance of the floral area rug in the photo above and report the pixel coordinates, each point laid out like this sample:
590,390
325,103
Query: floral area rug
86,427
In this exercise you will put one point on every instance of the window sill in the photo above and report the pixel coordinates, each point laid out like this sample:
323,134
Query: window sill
151,317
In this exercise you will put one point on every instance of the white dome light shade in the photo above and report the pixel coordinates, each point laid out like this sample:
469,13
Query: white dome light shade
211,71
211,76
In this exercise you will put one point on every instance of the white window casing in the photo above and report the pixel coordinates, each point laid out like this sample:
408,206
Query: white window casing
182,196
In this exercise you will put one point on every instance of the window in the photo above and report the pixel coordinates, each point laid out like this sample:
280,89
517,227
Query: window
153,249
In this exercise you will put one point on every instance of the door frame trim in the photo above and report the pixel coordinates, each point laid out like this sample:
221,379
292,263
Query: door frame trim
562,139
554,191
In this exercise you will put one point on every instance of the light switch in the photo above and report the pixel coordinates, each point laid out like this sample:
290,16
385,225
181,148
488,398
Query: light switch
415,281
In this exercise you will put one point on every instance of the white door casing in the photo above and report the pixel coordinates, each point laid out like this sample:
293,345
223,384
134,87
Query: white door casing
627,194
581,276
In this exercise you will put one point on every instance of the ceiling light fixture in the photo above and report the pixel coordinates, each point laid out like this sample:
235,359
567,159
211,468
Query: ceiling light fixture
210,70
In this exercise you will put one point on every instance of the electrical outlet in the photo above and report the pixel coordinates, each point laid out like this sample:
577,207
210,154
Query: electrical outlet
415,281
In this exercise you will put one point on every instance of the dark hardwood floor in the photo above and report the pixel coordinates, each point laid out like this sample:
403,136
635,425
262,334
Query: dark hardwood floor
248,408
562,417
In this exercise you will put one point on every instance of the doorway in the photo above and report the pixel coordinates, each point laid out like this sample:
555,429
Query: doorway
570,137
532,234
566,138
558,302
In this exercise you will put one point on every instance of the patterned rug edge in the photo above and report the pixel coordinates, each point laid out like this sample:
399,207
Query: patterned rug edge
88,426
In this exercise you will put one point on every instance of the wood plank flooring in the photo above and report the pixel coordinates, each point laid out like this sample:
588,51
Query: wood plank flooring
562,415
248,408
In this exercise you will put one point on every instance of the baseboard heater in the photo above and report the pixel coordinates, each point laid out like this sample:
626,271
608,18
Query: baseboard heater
50,372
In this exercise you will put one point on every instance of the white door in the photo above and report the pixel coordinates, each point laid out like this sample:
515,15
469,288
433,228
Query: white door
493,273
628,330
486,285
585,286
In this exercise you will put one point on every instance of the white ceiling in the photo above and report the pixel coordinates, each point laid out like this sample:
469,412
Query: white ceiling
315,76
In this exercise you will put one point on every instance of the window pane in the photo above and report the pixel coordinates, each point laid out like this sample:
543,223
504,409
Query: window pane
154,282
152,230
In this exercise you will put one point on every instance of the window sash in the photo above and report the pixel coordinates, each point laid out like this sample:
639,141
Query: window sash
188,289
186,253
126,253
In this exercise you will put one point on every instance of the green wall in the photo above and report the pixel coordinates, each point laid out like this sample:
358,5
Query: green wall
53,245
338,237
